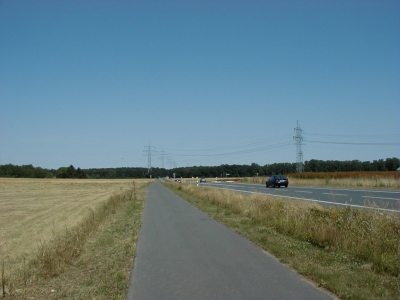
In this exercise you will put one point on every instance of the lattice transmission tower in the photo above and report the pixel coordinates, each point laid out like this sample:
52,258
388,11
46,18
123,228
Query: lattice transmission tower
149,151
299,153
162,158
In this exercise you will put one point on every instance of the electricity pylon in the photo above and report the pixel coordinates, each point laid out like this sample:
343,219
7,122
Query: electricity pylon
162,158
149,152
299,153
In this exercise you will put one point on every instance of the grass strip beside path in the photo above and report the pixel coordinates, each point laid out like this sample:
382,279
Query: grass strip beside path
330,268
103,263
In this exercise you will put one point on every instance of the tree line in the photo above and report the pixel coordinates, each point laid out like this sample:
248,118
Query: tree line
313,165
29,171
71,172
390,164
25,171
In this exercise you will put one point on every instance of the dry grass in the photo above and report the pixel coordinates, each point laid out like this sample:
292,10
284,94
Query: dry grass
361,245
362,183
364,180
353,174
35,212
102,267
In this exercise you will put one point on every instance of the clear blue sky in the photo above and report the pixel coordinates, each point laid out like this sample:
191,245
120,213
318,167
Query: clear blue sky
93,83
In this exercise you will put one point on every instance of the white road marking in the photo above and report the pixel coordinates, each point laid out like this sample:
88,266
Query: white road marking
369,197
342,189
334,194
304,192
397,192
313,200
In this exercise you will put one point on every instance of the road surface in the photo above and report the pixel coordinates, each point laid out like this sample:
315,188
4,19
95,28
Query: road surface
182,253
384,200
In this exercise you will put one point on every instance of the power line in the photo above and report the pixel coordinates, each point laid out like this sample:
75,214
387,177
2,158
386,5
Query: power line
395,136
226,147
349,143
252,150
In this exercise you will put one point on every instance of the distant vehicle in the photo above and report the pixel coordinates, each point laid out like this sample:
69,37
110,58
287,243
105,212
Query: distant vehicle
203,180
277,180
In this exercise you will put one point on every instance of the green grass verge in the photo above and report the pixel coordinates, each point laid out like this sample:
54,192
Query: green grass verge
99,267
341,274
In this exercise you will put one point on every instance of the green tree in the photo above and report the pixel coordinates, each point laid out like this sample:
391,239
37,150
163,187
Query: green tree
392,164
62,172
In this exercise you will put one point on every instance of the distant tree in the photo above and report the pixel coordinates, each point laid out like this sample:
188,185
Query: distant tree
71,172
356,165
62,172
379,165
256,169
366,166
392,164
80,174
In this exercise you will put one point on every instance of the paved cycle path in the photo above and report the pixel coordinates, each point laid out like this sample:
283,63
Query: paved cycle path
182,253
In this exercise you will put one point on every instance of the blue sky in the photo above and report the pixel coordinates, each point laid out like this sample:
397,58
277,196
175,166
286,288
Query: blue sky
94,83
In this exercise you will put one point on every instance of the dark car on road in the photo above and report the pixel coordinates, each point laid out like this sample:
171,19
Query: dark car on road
277,180
202,179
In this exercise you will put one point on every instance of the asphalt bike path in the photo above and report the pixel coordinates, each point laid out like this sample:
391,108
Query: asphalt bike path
182,253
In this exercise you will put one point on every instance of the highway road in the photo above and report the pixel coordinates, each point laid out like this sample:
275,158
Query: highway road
384,200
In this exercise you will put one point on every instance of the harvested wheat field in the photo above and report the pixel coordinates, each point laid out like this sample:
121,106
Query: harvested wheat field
34,210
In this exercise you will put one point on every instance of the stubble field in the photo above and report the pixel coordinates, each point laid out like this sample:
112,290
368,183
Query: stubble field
34,210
